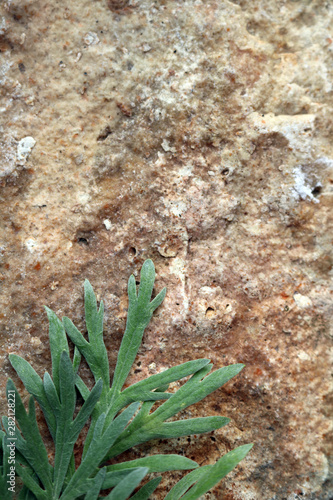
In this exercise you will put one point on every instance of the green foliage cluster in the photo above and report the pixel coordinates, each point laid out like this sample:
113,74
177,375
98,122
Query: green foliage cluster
118,419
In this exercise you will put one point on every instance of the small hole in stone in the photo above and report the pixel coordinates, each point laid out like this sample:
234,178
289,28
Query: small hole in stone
210,312
132,251
225,171
83,241
317,190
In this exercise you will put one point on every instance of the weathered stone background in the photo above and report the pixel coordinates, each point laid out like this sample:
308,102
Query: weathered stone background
198,134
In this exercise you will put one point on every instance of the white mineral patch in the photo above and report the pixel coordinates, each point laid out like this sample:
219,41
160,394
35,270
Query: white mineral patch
302,300
301,189
303,356
107,224
91,38
146,47
166,146
176,207
24,148
31,245
297,129
83,198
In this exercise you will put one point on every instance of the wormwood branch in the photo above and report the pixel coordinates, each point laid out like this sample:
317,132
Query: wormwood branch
118,418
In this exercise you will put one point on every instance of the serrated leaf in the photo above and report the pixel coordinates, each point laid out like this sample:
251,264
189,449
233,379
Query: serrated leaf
139,390
140,311
195,390
67,429
111,433
151,426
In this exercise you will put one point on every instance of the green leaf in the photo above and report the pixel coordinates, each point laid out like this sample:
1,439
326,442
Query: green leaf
26,494
95,354
146,490
94,490
34,385
30,482
102,440
139,314
114,477
187,481
67,429
151,426
195,390
191,426
156,463
127,485
5,468
31,446
208,476
111,431
140,311
141,391
58,344
217,472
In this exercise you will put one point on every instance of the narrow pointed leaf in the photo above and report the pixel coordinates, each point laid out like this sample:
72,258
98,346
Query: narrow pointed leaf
93,492
87,409
191,426
51,393
127,485
218,472
186,482
34,385
156,463
166,377
4,467
139,314
94,317
31,445
30,483
146,490
58,343
76,360
194,390
101,442
157,301
114,477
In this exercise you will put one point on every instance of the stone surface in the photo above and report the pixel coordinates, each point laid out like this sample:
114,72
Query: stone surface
198,134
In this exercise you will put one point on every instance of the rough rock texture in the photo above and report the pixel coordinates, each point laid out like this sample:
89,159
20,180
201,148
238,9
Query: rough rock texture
198,134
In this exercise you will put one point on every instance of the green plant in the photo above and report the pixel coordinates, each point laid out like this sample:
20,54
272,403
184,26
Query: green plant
119,419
